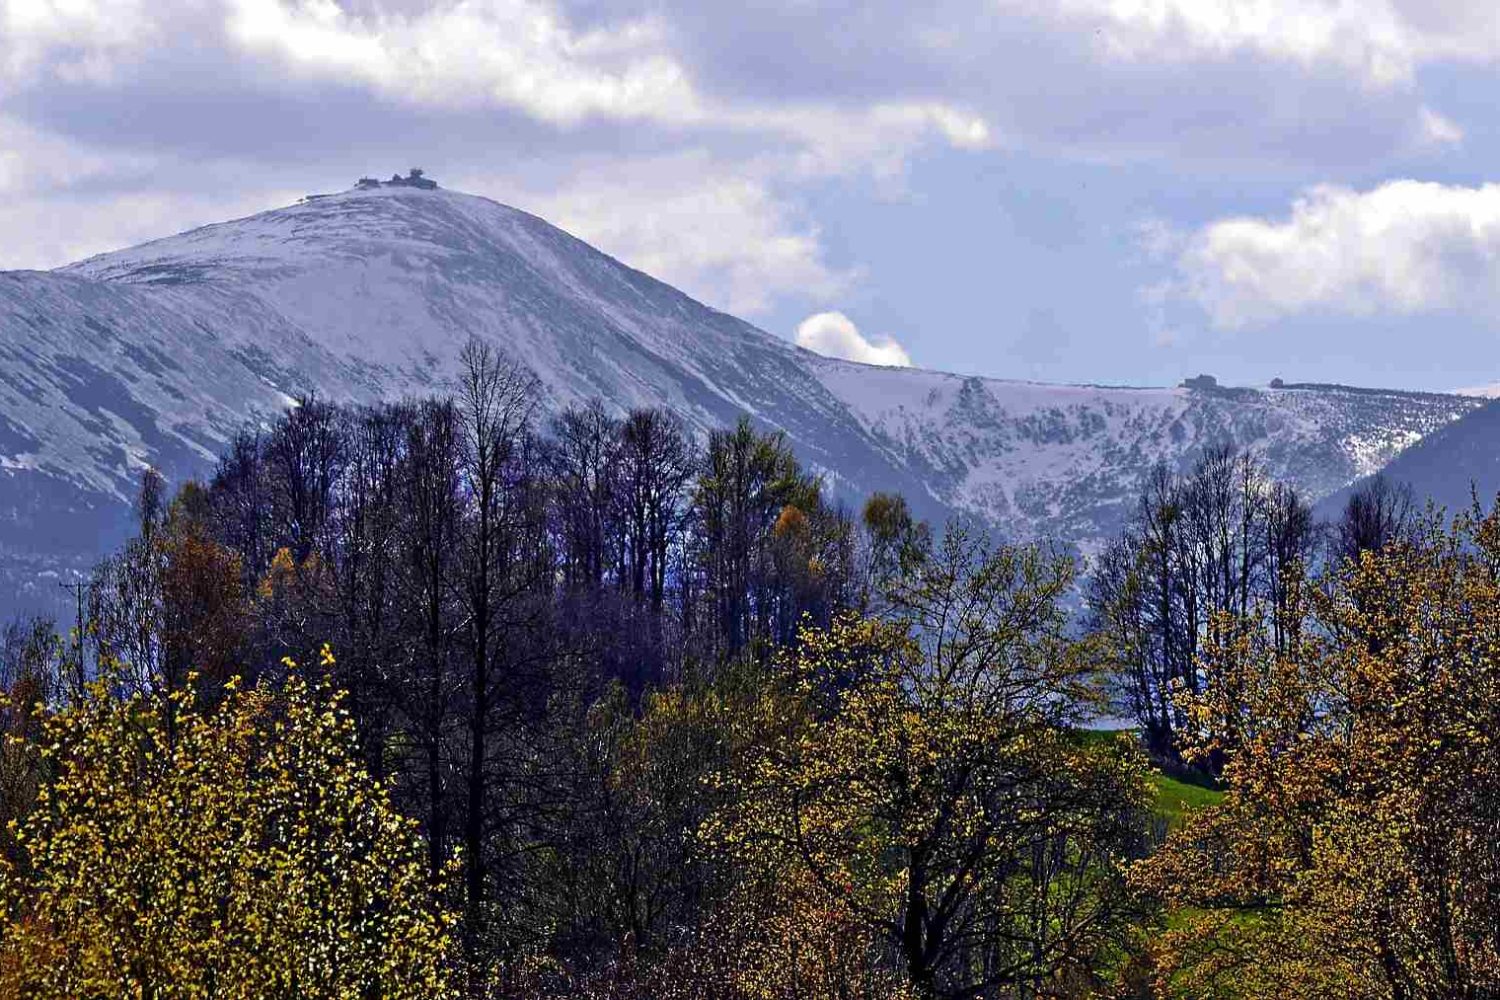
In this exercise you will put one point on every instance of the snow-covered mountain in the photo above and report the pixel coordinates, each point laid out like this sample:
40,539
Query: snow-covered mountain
1063,461
158,353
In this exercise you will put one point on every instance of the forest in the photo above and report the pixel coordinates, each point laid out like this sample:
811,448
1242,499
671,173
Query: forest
453,698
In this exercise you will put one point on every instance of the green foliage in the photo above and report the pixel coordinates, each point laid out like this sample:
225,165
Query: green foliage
236,851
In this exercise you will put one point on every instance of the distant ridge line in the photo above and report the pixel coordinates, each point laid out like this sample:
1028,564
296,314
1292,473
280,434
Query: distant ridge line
1365,390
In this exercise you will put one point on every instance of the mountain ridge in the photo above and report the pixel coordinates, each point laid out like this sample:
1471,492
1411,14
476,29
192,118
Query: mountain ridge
157,354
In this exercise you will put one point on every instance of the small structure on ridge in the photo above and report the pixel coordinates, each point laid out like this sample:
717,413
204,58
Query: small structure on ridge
413,179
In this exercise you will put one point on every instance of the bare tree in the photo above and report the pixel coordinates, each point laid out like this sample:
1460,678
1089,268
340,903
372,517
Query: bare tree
428,565
585,473
1377,513
657,465
305,455
1208,551
367,526
1291,541
241,500
497,399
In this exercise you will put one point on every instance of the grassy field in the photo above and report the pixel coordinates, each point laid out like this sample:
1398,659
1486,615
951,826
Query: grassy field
1176,797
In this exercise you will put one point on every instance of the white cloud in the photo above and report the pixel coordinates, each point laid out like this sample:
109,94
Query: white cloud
1435,130
80,40
1382,42
519,53
715,230
879,138
1402,248
833,334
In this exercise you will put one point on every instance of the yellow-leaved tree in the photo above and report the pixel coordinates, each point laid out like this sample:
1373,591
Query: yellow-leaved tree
240,852
930,802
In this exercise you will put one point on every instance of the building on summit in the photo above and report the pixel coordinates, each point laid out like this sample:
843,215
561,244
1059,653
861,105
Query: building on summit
413,179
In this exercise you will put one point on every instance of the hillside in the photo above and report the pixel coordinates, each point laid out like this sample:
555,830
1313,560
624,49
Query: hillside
1456,463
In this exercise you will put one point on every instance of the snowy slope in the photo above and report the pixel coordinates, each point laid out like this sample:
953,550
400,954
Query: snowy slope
1063,461
389,284
156,354
96,382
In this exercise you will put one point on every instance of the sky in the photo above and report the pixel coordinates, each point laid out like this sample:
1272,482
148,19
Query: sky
1110,191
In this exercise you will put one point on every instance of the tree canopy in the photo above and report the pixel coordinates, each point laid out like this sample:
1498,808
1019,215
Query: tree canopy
227,848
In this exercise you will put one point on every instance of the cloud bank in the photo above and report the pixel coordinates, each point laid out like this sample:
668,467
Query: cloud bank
698,141
1382,42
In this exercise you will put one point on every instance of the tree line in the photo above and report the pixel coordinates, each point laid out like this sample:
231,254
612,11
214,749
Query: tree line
607,669
587,707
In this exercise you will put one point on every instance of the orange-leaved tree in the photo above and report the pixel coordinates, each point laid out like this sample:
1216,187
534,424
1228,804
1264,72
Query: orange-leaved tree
1357,850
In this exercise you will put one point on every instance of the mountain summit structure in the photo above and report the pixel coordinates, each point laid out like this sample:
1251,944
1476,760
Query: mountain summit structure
413,179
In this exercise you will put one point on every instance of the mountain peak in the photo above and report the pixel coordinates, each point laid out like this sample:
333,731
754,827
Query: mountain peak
316,231
391,280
